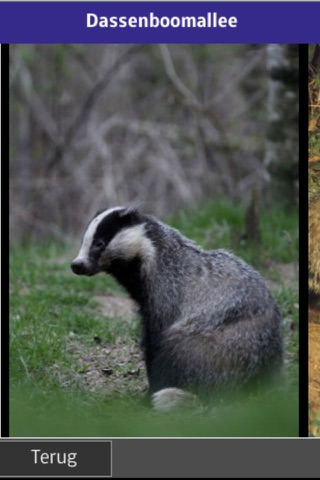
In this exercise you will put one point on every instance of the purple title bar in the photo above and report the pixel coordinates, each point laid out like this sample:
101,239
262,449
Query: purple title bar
159,22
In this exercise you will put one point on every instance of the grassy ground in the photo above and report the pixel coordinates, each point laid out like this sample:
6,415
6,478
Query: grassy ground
75,361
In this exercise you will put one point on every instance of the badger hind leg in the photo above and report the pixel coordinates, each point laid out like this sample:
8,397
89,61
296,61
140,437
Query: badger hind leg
169,399
244,356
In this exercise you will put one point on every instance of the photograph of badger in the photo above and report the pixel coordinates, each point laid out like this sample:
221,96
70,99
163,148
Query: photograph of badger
209,322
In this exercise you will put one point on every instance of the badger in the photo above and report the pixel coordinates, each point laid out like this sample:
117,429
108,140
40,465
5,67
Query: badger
209,322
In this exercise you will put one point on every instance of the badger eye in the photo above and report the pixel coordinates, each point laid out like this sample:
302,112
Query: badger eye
98,243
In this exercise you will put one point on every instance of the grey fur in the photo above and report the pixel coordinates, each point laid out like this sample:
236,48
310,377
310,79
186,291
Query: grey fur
209,321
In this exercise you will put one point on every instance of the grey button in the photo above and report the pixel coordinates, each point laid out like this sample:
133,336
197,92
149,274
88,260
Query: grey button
55,458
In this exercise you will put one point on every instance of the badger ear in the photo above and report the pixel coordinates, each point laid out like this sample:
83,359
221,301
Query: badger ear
133,210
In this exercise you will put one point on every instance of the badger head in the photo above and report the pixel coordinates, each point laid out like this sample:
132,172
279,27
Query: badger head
114,237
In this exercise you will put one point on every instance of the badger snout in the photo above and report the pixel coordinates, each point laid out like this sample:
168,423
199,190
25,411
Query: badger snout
80,267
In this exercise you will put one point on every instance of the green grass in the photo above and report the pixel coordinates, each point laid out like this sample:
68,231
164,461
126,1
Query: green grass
52,311
220,225
41,413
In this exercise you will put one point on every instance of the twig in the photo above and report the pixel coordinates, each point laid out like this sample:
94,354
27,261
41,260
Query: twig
88,104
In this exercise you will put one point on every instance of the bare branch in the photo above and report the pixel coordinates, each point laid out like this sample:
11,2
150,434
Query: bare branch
38,108
88,104
172,74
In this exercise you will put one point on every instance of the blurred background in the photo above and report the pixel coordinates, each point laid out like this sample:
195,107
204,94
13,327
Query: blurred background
94,126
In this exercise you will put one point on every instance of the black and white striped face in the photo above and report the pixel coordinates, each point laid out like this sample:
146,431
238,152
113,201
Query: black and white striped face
115,234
